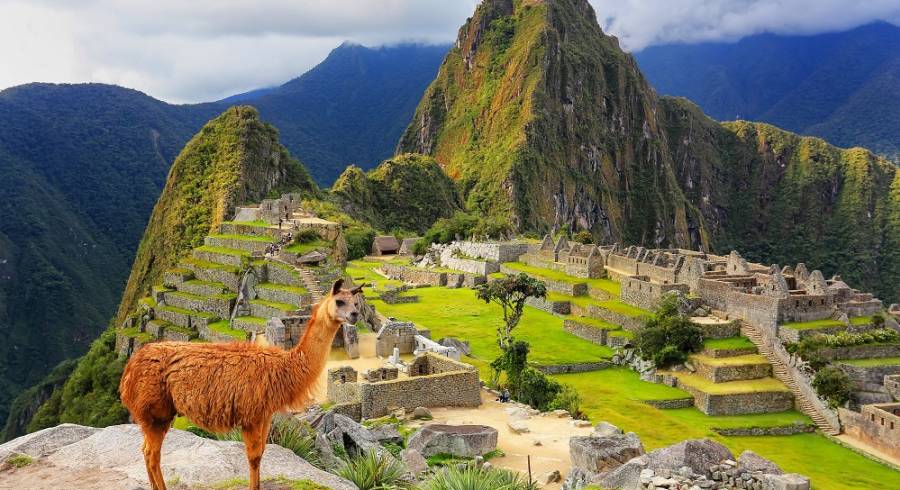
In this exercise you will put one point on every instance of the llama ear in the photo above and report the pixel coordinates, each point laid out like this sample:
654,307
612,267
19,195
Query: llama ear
358,289
336,288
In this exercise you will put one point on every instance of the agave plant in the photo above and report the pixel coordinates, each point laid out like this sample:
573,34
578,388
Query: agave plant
290,433
374,471
475,478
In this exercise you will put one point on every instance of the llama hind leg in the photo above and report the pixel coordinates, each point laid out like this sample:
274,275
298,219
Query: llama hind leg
255,444
154,434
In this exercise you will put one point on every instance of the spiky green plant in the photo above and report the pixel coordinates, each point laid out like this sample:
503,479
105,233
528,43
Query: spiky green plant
290,433
374,471
474,478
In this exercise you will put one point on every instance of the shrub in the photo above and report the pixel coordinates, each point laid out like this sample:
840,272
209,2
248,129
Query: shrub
569,400
668,337
359,242
372,471
19,460
832,384
475,478
287,432
809,348
583,237
536,389
306,235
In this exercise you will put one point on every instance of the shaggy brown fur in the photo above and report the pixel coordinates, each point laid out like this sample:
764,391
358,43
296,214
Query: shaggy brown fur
221,386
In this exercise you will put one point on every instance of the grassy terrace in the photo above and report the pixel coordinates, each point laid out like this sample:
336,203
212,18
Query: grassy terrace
731,387
827,323
198,314
458,313
224,327
614,305
593,322
617,395
871,362
204,264
608,285
305,248
274,304
223,250
731,361
729,343
256,223
363,271
282,287
135,332
252,319
245,238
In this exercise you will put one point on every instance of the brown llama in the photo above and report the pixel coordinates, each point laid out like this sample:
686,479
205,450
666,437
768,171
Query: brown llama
225,385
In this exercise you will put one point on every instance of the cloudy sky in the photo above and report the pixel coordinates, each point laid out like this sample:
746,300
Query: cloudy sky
198,50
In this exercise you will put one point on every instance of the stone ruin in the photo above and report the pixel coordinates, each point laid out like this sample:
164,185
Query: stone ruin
404,338
585,261
430,380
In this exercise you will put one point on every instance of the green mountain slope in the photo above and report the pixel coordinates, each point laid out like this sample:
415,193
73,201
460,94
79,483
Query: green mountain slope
841,86
541,117
407,192
234,159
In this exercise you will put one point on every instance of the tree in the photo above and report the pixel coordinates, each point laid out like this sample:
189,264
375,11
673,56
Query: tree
510,293
583,237
668,336
834,385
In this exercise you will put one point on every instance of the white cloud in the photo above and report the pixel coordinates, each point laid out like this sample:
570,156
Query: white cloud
189,51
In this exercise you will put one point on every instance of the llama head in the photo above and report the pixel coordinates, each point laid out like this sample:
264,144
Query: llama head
342,305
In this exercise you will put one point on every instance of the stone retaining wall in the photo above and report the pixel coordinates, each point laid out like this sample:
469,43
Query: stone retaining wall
349,410
671,404
494,252
283,274
721,330
719,353
585,331
740,403
413,275
450,389
237,229
865,351
535,260
875,426
231,280
479,267
553,307
783,430
640,292
626,322
578,367
869,378
562,287
723,374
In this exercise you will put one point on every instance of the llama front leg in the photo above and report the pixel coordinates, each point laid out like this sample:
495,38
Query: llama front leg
255,444
153,439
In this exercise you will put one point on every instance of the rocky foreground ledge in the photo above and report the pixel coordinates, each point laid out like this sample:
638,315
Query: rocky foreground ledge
76,457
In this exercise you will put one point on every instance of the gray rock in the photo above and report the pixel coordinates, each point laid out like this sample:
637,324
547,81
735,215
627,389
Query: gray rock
414,461
518,426
600,454
458,440
696,454
604,429
788,481
461,345
47,441
387,433
581,423
576,480
421,413
116,453
750,461
350,434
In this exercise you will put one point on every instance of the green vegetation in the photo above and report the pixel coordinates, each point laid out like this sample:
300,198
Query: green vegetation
871,362
808,348
593,322
743,386
827,323
280,482
224,327
470,477
19,460
608,285
406,192
834,385
23,407
668,337
462,224
370,471
729,343
244,238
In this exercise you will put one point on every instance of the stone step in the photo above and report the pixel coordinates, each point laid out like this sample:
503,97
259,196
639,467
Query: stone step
207,271
172,278
735,368
222,331
247,243
202,288
219,305
169,331
183,318
280,293
764,395
222,255
267,309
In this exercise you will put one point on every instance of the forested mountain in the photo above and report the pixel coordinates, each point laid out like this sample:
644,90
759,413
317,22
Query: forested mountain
81,167
543,120
843,87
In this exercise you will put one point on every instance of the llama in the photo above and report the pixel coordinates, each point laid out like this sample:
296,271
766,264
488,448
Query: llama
221,386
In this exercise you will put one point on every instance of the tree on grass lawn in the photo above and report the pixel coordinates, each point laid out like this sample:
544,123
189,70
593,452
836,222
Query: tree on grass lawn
510,293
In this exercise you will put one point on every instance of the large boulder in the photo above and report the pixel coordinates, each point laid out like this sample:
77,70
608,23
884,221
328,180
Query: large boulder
47,441
789,481
111,458
458,440
695,454
601,454
750,461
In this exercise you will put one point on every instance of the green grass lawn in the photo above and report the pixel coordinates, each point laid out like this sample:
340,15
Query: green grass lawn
223,250
282,287
743,386
729,343
608,285
307,247
616,395
224,327
730,361
871,362
593,322
256,223
363,271
245,238
827,323
458,313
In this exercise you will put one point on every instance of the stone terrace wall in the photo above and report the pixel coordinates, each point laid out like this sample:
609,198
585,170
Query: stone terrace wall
562,287
742,403
626,322
714,293
585,331
869,378
479,267
638,291
494,252
553,307
754,308
622,265
449,389
860,351
414,275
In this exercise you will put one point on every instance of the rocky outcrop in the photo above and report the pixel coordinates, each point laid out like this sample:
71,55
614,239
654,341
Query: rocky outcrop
459,440
599,454
76,457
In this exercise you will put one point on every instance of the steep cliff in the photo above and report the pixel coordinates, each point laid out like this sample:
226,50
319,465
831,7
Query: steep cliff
541,118
407,192
234,159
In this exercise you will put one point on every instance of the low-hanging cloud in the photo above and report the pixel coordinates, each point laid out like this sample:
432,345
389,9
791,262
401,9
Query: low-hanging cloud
190,51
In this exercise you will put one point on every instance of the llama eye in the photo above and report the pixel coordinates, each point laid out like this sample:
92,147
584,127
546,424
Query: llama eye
339,302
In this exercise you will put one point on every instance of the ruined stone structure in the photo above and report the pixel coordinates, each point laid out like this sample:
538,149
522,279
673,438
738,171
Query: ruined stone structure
575,259
287,210
385,245
432,380
877,425
406,339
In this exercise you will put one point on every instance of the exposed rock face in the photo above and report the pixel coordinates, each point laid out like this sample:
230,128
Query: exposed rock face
751,461
602,454
541,118
458,440
113,459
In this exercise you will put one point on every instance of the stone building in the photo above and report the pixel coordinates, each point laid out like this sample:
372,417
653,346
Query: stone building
432,380
575,259
385,245
877,425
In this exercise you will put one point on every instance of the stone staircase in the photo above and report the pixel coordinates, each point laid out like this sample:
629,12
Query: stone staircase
782,373
312,284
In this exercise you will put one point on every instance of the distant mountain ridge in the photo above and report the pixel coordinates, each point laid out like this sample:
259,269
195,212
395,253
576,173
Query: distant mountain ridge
843,87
